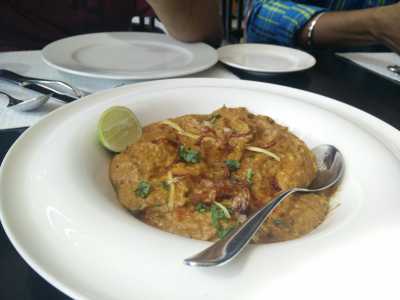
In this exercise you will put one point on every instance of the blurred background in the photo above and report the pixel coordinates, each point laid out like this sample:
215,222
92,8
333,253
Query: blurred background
28,25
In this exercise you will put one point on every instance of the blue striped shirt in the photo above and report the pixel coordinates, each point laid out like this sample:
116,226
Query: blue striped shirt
278,21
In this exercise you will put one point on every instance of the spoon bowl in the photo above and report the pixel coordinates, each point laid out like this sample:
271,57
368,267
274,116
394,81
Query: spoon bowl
330,170
28,104
394,68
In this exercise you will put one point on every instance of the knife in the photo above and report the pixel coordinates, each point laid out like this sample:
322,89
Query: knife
42,85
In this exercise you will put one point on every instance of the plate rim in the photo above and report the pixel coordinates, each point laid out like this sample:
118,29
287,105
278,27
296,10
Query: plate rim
211,52
224,48
305,96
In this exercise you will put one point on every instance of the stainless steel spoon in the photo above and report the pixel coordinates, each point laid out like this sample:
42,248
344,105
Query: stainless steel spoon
26,105
330,170
48,84
394,68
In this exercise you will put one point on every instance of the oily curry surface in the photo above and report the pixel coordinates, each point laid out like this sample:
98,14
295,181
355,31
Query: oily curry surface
201,175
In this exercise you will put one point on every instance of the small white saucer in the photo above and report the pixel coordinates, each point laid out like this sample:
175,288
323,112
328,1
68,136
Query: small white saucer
265,59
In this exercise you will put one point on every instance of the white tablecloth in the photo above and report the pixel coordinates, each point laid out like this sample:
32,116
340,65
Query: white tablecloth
376,62
30,63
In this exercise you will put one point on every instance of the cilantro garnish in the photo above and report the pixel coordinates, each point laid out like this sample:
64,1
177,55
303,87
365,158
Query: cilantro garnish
232,164
201,207
219,214
188,155
279,223
165,185
214,118
143,189
223,232
249,176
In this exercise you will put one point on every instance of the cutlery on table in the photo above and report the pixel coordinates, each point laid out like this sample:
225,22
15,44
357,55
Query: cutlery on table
44,86
28,104
394,68
330,170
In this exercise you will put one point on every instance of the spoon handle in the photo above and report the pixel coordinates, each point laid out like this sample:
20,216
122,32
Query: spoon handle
226,249
11,100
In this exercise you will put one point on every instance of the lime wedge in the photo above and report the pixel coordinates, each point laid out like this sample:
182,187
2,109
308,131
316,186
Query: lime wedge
118,127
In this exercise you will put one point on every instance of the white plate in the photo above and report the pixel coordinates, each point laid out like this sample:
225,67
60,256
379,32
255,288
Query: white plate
128,56
262,58
60,211
376,62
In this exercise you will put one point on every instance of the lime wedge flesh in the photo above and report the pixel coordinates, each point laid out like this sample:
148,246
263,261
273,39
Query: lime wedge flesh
118,127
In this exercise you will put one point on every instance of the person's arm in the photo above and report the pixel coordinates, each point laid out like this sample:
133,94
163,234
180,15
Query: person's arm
278,21
362,27
190,20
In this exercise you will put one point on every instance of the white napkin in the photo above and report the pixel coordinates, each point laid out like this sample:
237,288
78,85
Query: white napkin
375,62
30,63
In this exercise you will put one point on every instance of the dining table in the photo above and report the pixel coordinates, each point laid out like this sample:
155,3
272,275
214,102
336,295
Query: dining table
332,76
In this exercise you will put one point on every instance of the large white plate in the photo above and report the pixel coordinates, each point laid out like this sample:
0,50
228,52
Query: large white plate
128,55
60,211
268,59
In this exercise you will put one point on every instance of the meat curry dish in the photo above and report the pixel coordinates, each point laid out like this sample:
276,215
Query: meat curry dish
200,176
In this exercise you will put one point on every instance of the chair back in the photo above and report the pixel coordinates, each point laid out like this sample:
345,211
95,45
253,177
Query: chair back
232,17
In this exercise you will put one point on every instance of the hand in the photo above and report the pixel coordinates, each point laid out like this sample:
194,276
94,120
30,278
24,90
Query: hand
387,26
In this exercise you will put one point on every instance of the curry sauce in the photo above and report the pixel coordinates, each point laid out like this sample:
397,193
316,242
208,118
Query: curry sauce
200,176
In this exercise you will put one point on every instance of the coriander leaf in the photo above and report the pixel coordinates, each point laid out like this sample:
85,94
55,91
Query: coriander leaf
214,118
188,155
249,176
217,214
223,232
232,164
214,216
201,207
165,185
143,189
223,209
279,223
